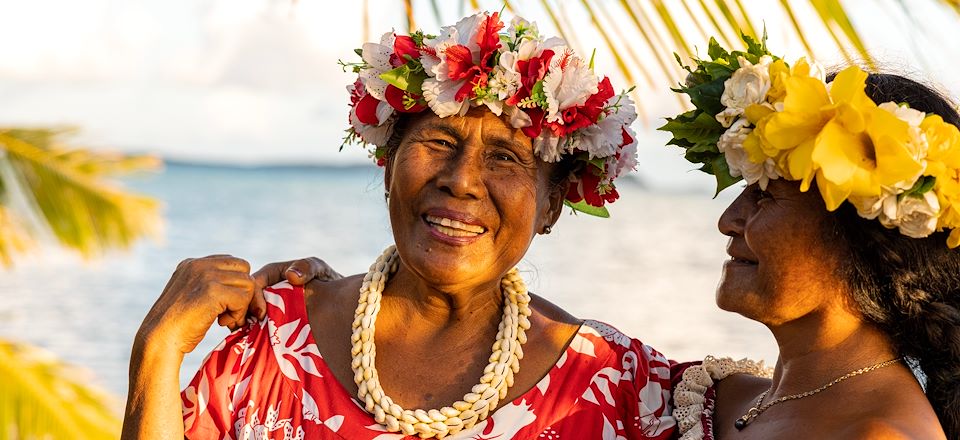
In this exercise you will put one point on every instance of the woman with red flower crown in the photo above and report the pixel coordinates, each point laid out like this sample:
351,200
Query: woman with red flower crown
483,133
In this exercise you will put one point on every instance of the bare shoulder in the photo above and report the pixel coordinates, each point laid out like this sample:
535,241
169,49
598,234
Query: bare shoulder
558,324
544,309
330,295
742,383
885,429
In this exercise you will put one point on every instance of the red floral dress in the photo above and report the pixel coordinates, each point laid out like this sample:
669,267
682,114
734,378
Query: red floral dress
268,381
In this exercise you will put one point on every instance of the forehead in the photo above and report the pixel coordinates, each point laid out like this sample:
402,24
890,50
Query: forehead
477,120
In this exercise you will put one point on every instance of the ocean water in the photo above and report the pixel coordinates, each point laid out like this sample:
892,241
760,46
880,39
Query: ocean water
650,270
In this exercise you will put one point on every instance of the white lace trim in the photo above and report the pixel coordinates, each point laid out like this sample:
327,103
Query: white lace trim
689,396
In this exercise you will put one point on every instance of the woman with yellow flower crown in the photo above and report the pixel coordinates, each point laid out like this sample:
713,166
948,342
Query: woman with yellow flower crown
483,133
843,243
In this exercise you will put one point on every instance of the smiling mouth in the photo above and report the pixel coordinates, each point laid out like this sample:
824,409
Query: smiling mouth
453,228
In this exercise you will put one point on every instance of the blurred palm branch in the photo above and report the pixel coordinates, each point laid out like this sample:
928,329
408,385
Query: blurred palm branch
643,35
52,192
43,398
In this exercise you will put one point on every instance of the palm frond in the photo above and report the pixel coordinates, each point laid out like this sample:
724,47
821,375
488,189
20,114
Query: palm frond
643,35
41,397
64,188
14,238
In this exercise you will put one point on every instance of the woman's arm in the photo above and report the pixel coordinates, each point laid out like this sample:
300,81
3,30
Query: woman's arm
200,291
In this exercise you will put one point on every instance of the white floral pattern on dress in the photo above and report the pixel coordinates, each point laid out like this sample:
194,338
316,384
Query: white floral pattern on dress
268,381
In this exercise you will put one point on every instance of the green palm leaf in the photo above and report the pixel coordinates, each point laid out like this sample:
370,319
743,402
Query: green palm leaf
41,397
63,195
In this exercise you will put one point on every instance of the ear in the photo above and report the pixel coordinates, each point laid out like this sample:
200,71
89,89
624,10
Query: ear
554,206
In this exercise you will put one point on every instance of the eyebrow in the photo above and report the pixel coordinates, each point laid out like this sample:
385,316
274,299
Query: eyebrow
496,140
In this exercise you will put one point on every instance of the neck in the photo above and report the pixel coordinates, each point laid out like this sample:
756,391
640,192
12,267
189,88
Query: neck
822,346
441,307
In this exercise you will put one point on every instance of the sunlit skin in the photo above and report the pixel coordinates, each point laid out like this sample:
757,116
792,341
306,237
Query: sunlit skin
443,305
440,311
782,274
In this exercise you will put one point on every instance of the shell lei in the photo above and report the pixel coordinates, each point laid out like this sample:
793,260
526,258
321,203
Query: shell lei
479,402
689,396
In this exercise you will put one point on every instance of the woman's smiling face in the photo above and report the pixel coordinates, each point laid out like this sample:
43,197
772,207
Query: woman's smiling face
783,256
467,195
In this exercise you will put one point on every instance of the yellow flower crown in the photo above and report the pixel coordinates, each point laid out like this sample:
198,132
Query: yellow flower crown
757,118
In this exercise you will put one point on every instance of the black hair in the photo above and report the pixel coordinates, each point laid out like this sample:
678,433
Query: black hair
909,287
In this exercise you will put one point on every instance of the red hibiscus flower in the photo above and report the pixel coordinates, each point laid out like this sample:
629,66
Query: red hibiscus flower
587,188
460,60
575,118
364,105
531,71
404,49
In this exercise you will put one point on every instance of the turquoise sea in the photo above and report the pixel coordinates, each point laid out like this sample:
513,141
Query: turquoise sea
650,270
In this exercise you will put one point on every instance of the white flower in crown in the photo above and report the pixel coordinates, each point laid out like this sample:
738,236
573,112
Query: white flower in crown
548,146
627,160
747,86
731,145
872,206
606,136
377,58
568,84
915,216
459,65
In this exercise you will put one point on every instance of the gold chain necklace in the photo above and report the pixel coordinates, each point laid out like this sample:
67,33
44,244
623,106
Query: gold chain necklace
476,405
760,407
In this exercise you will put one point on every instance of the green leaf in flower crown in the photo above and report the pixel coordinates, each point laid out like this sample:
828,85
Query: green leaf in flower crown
923,184
706,96
586,208
721,170
537,94
405,78
755,47
715,51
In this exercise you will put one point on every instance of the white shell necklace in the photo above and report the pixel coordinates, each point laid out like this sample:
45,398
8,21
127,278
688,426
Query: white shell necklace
476,405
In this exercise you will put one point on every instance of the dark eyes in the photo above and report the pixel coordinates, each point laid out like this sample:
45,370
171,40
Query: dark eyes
442,143
760,195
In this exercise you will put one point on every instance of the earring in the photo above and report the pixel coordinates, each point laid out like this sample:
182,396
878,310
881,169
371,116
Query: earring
386,196
547,229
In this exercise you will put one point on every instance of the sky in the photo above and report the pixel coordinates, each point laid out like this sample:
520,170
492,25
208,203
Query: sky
257,81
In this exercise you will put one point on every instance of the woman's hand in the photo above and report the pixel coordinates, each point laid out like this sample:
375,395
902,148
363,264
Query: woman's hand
200,291
296,272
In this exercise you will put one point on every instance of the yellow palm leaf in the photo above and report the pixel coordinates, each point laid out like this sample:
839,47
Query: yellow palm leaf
64,189
41,397
668,27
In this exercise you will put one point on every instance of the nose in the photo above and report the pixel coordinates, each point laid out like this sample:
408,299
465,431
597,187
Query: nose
462,174
734,218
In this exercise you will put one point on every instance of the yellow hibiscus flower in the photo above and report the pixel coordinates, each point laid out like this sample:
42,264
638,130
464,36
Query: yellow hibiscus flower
840,138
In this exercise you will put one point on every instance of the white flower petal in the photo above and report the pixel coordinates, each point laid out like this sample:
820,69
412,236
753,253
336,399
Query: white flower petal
441,97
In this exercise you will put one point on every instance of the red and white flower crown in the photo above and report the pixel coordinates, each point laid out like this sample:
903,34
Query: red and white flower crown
538,84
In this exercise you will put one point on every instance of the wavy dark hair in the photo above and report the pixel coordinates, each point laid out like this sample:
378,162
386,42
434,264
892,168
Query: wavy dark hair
908,287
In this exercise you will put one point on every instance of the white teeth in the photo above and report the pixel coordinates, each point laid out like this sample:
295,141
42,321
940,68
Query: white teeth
454,232
453,227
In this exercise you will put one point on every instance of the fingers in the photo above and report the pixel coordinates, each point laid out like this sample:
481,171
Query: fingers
235,303
228,263
302,271
270,274
323,270
258,304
